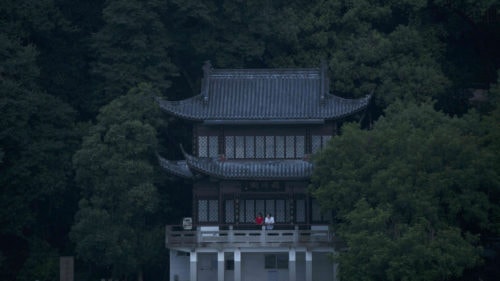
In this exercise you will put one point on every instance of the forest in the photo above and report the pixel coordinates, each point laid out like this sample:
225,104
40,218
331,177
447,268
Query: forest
414,183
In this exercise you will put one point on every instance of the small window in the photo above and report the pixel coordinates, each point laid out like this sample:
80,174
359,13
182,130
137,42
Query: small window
280,147
249,147
290,146
202,146
213,146
240,147
276,261
229,264
269,147
230,147
208,210
259,147
315,143
300,146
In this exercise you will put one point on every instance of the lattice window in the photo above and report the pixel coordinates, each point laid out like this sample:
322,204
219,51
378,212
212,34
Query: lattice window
239,144
270,207
300,146
213,210
326,139
260,206
269,147
259,147
242,212
316,211
250,210
202,210
280,147
249,144
280,211
208,210
300,210
318,215
213,148
290,147
229,147
202,146
229,211
315,143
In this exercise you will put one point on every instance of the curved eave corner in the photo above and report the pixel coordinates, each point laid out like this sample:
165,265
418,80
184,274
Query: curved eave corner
177,108
177,168
344,107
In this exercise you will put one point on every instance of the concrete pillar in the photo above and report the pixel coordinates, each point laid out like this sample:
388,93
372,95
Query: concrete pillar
292,265
66,268
335,267
220,266
237,265
193,266
309,266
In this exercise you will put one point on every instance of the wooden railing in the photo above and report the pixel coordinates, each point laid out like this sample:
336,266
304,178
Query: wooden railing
176,236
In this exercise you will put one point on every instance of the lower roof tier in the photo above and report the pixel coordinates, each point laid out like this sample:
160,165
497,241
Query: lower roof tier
286,169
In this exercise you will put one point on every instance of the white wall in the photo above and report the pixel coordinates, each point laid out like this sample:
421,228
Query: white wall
179,265
300,258
252,268
207,266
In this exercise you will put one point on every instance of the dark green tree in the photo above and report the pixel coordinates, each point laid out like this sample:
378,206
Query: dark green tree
116,225
369,45
132,47
61,44
37,137
411,197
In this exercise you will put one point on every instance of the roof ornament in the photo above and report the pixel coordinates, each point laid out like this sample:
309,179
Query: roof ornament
207,68
324,81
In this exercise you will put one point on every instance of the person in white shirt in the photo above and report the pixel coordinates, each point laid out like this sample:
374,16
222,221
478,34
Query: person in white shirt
269,221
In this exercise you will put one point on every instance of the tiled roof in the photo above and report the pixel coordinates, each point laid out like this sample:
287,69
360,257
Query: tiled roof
264,94
251,169
178,168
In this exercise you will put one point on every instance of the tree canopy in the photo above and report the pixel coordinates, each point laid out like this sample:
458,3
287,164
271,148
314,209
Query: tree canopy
76,68
419,184
115,225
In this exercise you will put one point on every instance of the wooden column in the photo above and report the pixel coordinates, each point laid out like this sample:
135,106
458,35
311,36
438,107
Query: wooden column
193,266
309,271
237,265
220,266
292,265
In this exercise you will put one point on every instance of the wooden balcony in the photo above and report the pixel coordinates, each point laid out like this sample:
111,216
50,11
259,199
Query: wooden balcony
249,236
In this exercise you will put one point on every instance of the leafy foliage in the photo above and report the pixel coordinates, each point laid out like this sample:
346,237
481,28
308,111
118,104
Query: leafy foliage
37,139
115,224
62,60
417,185
132,47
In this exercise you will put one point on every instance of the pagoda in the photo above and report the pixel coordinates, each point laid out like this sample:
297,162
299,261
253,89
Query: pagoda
254,131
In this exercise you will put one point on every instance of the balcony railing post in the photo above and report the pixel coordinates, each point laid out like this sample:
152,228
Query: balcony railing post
230,235
296,234
263,234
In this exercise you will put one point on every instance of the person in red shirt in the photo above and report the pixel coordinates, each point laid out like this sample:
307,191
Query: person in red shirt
259,220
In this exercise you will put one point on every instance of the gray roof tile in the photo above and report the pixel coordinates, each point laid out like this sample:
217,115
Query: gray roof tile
264,94
251,169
